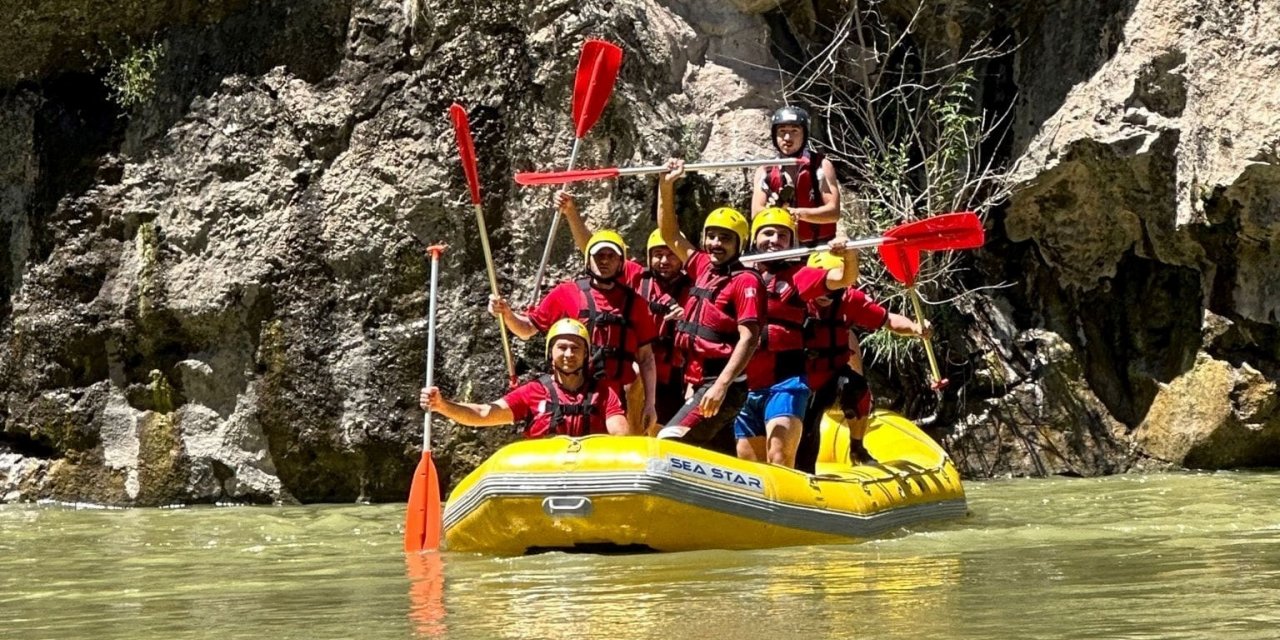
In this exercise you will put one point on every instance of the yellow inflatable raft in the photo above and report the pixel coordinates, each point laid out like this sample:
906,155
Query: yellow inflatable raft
606,493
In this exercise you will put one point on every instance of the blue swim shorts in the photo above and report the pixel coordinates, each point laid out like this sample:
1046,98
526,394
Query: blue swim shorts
786,398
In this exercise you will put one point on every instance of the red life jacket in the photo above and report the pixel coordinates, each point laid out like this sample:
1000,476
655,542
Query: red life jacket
566,419
611,360
706,330
807,193
826,338
662,296
787,312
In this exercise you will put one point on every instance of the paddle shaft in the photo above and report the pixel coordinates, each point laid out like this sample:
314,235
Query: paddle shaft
726,164
431,341
551,235
928,344
800,252
493,286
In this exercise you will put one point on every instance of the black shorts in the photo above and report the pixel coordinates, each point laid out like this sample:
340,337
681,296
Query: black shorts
702,429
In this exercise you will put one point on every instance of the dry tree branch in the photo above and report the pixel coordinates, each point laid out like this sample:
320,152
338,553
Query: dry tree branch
905,125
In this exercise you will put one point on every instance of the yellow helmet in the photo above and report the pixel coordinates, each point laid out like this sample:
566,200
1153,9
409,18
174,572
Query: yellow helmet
728,218
605,238
567,327
655,241
773,217
825,260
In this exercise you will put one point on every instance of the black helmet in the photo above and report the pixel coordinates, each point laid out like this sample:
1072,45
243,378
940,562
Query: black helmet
789,115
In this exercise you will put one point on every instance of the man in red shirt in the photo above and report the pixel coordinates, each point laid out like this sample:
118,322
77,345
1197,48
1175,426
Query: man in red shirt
564,403
619,323
664,287
810,191
834,365
722,318
770,422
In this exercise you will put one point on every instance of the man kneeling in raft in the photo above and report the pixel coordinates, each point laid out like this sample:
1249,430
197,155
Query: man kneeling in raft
566,402
722,318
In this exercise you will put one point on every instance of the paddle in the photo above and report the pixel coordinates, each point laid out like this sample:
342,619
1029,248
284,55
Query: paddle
942,232
467,151
532,178
597,72
422,524
902,260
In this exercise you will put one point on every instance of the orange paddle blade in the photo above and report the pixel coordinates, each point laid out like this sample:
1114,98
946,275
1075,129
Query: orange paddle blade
422,518
466,149
597,72
533,178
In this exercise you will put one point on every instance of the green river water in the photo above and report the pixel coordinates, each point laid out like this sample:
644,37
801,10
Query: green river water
1164,556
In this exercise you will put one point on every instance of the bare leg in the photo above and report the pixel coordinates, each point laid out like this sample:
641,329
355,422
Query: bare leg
784,439
751,448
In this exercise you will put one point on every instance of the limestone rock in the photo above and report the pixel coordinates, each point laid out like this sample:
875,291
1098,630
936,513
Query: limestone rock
1214,416
217,294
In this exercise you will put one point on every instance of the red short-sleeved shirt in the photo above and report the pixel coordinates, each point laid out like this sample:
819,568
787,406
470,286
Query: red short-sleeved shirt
855,309
566,301
631,272
808,283
744,294
528,402
861,311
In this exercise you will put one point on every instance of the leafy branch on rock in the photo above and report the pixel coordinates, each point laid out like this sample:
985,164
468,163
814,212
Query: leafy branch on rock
131,76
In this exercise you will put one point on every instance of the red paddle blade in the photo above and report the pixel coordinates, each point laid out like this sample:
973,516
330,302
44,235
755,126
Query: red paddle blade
597,72
901,261
942,232
466,149
532,178
422,517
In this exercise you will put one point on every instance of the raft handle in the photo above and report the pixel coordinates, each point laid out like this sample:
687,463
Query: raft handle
567,506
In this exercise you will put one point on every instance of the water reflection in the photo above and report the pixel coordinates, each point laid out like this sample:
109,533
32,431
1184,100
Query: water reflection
1178,556
822,591
426,593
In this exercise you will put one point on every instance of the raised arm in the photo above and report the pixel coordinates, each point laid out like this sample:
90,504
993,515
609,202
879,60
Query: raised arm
518,323
667,221
759,199
577,226
493,414
845,275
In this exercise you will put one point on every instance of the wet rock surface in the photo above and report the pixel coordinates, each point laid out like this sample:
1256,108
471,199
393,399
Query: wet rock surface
218,294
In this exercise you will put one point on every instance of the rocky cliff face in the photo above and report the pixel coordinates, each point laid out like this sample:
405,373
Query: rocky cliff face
216,293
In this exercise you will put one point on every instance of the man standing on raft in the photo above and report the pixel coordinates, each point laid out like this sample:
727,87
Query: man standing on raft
722,319
769,425
809,191
834,362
